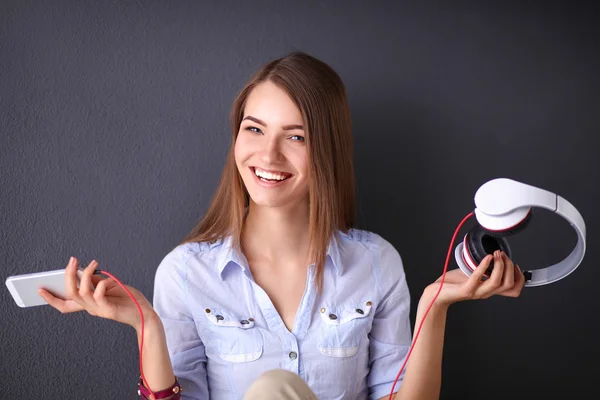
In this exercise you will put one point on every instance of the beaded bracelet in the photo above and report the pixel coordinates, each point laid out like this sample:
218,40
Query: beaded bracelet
171,393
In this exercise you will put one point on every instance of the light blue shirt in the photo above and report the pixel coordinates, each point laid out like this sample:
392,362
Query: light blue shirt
223,331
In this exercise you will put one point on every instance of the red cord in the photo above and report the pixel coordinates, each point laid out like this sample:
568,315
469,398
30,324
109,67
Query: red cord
433,301
153,396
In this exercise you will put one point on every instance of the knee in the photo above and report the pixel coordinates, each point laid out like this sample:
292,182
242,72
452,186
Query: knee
279,384
278,375
276,379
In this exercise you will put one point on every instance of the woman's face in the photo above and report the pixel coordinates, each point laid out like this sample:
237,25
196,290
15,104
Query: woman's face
270,149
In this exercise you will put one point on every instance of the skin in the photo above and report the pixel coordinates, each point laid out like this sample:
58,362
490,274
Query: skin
275,242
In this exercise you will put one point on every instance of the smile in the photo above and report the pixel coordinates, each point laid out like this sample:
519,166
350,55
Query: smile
270,176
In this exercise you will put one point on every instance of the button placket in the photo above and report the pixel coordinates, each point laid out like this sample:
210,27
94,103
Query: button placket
291,351
292,357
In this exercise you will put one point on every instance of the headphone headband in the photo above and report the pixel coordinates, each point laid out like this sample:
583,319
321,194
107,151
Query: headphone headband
501,196
502,204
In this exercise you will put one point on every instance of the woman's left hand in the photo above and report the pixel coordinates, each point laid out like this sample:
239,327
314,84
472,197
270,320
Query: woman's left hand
506,279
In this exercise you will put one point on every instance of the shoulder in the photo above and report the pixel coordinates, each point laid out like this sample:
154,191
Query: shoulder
177,260
387,263
375,243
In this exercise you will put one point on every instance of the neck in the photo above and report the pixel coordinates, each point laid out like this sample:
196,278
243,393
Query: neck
276,235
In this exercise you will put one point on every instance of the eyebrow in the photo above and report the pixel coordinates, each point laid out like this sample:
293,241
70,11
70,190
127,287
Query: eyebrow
285,127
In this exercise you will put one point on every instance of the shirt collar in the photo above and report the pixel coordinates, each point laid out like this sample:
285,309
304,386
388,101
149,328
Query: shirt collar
231,256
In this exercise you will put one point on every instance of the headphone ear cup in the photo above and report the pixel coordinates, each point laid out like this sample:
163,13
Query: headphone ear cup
479,243
515,229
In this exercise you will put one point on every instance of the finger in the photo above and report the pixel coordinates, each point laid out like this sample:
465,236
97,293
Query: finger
495,280
519,279
85,285
517,288
96,279
477,275
61,305
475,278
71,281
100,298
508,279
101,289
99,294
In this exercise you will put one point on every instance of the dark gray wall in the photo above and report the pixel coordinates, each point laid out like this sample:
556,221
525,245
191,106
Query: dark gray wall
113,131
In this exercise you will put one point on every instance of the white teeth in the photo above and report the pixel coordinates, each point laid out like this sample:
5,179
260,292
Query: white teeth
268,175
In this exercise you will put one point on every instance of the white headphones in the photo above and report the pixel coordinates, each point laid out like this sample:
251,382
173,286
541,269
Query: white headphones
503,208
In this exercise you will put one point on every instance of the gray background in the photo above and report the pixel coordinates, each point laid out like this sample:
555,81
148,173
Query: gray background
113,132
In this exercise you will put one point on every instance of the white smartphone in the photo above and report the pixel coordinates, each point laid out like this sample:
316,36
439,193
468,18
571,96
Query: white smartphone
23,288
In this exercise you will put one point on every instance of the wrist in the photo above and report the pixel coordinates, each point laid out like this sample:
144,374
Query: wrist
427,297
152,322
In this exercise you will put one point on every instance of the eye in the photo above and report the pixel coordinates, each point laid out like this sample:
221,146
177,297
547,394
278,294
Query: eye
297,138
253,129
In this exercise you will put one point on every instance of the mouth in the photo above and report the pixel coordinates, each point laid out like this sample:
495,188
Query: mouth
269,176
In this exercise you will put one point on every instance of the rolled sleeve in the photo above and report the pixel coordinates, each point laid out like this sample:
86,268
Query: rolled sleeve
186,350
391,335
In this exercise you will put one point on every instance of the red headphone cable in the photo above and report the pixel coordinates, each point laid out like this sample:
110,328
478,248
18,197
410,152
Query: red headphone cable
152,396
433,301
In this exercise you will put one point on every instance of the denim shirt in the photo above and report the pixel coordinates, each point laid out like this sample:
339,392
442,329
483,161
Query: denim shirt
223,331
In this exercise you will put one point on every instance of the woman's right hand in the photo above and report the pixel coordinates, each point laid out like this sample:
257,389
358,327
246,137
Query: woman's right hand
108,300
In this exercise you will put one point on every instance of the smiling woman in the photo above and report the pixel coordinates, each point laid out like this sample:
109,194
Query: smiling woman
275,294
298,106
270,150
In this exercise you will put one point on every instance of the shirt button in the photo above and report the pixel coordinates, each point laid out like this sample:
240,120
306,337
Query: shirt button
293,355
332,316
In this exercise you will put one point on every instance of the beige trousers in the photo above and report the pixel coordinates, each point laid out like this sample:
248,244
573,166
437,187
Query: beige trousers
279,384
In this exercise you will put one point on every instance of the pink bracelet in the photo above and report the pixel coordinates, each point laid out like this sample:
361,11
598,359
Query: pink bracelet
172,393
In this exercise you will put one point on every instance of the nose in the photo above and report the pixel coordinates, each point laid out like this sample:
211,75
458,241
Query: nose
271,153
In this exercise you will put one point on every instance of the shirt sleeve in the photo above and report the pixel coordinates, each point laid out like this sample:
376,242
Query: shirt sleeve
391,335
185,347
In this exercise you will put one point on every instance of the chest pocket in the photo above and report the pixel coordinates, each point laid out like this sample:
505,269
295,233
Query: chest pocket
342,328
235,338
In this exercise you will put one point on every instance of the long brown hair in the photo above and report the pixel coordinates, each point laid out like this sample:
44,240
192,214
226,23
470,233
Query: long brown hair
320,95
